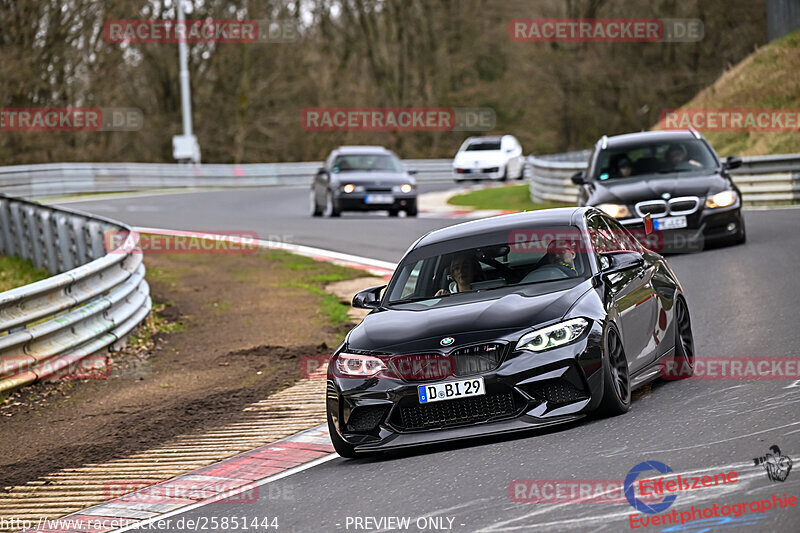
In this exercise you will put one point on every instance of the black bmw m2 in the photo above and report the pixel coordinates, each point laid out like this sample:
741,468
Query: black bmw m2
505,324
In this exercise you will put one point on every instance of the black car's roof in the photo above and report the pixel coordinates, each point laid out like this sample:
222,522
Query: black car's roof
562,216
618,141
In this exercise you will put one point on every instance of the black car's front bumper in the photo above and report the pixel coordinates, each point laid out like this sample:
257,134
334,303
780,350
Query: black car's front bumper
527,390
704,227
357,202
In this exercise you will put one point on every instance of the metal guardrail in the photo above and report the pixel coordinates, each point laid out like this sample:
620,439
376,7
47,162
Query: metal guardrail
61,179
94,300
763,180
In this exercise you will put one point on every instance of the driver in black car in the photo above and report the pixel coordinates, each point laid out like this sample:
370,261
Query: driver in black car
562,254
464,269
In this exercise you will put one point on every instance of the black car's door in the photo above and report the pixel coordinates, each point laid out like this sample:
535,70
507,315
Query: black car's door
632,296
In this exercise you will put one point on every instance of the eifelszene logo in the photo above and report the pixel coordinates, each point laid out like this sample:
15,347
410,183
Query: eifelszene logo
630,495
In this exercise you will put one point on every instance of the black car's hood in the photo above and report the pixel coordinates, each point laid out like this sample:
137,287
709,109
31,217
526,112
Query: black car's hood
639,188
375,177
405,330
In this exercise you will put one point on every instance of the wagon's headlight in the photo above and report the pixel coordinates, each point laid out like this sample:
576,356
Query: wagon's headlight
552,336
354,365
721,199
615,210
352,188
404,188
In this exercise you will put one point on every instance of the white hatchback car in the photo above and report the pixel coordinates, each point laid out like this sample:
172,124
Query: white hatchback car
495,158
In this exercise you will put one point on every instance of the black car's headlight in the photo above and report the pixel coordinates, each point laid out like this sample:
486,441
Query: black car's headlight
721,199
404,188
354,365
553,336
615,210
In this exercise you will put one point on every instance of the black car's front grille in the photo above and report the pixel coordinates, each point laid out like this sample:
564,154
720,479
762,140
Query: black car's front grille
466,361
454,412
653,207
555,391
477,359
375,188
366,418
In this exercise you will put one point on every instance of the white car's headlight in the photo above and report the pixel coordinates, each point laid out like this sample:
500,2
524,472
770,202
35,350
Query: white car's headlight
721,199
615,210
354,365
553,336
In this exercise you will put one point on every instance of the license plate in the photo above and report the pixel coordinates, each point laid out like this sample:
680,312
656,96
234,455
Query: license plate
379,199
450,390
669,223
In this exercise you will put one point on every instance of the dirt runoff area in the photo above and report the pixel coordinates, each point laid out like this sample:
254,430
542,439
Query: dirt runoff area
227,331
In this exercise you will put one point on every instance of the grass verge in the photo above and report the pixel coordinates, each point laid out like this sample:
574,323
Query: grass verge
509,198
16,272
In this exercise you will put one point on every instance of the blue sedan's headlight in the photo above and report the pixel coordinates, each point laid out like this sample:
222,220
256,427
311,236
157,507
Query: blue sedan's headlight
553,336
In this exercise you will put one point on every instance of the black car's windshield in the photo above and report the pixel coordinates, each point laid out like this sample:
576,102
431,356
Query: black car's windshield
528,257
367,162
653,158
482,146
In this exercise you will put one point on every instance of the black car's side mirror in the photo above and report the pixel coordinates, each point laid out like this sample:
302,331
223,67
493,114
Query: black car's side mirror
620,262
368,298
733,162
411,171
579,178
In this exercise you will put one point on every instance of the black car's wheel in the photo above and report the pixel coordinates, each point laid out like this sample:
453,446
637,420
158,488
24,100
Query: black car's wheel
331,209
616,382
343,448
314,208
411,210
684,341
394,212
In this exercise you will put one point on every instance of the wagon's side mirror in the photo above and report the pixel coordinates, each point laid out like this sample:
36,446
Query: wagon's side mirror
368,298
579,178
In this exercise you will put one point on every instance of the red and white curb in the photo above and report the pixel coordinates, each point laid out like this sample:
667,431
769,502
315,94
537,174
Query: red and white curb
236,479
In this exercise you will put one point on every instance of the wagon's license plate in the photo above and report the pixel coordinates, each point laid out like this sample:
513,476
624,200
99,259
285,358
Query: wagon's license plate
451,390
379,199
669,223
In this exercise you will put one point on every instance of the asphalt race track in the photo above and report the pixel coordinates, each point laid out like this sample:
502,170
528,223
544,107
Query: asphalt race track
743,302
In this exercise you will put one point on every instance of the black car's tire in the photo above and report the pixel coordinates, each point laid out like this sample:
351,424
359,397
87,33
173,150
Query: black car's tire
394,212
616,380
331,209
343,448
684,341
411,210
313,207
